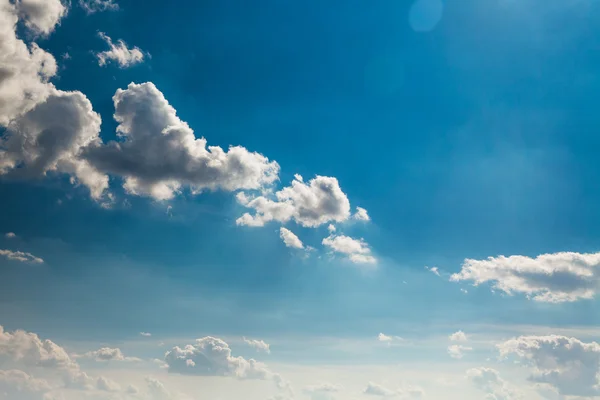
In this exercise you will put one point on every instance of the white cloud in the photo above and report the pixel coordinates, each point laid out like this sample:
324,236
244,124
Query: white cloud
108,354
20,256
18,385
159,153
119,53
569,366
41,16
458,336
92,6
211,356
311,204
145,334
28,349
361,214
489,381
389,340
10,235
434,270
457,351
290,239
331,228
408,392
357,250
555,278
378,390
259,345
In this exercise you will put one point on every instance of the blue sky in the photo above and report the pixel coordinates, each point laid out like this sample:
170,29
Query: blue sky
464,131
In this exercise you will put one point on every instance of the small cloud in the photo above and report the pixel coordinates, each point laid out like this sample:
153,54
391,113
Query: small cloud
93,6
457,351
434,270
10,235
258,345
458,336
146,334
290,239
356,250
66,56
465,291
20,256
298,177
389,340
361,214
374,389
170,211
119,53
331,228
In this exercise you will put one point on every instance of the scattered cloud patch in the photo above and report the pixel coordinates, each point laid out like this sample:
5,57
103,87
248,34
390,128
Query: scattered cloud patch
311,204
290,239
121,54
10,235
20,256
489,381
356,250
93,6
259,345
145,334
553,278
434,270
331,228
567,365
361,214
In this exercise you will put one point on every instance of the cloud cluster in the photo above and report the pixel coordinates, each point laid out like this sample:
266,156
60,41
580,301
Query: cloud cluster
457,350
20,256
41,16
554,278
356,250
489,381
569,366
18,385
259,345
119,53
211,356
311,204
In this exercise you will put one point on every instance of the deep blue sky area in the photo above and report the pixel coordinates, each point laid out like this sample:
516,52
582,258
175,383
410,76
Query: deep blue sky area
472,137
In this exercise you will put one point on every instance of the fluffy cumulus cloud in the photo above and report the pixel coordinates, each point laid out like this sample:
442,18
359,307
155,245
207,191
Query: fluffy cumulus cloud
211,356
567,365
119,53
356,250
311,204
20,256
489,381
555,278
45,128
159,154
259,345
92,6
290,239
29,350
361,214
458,336
41,16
